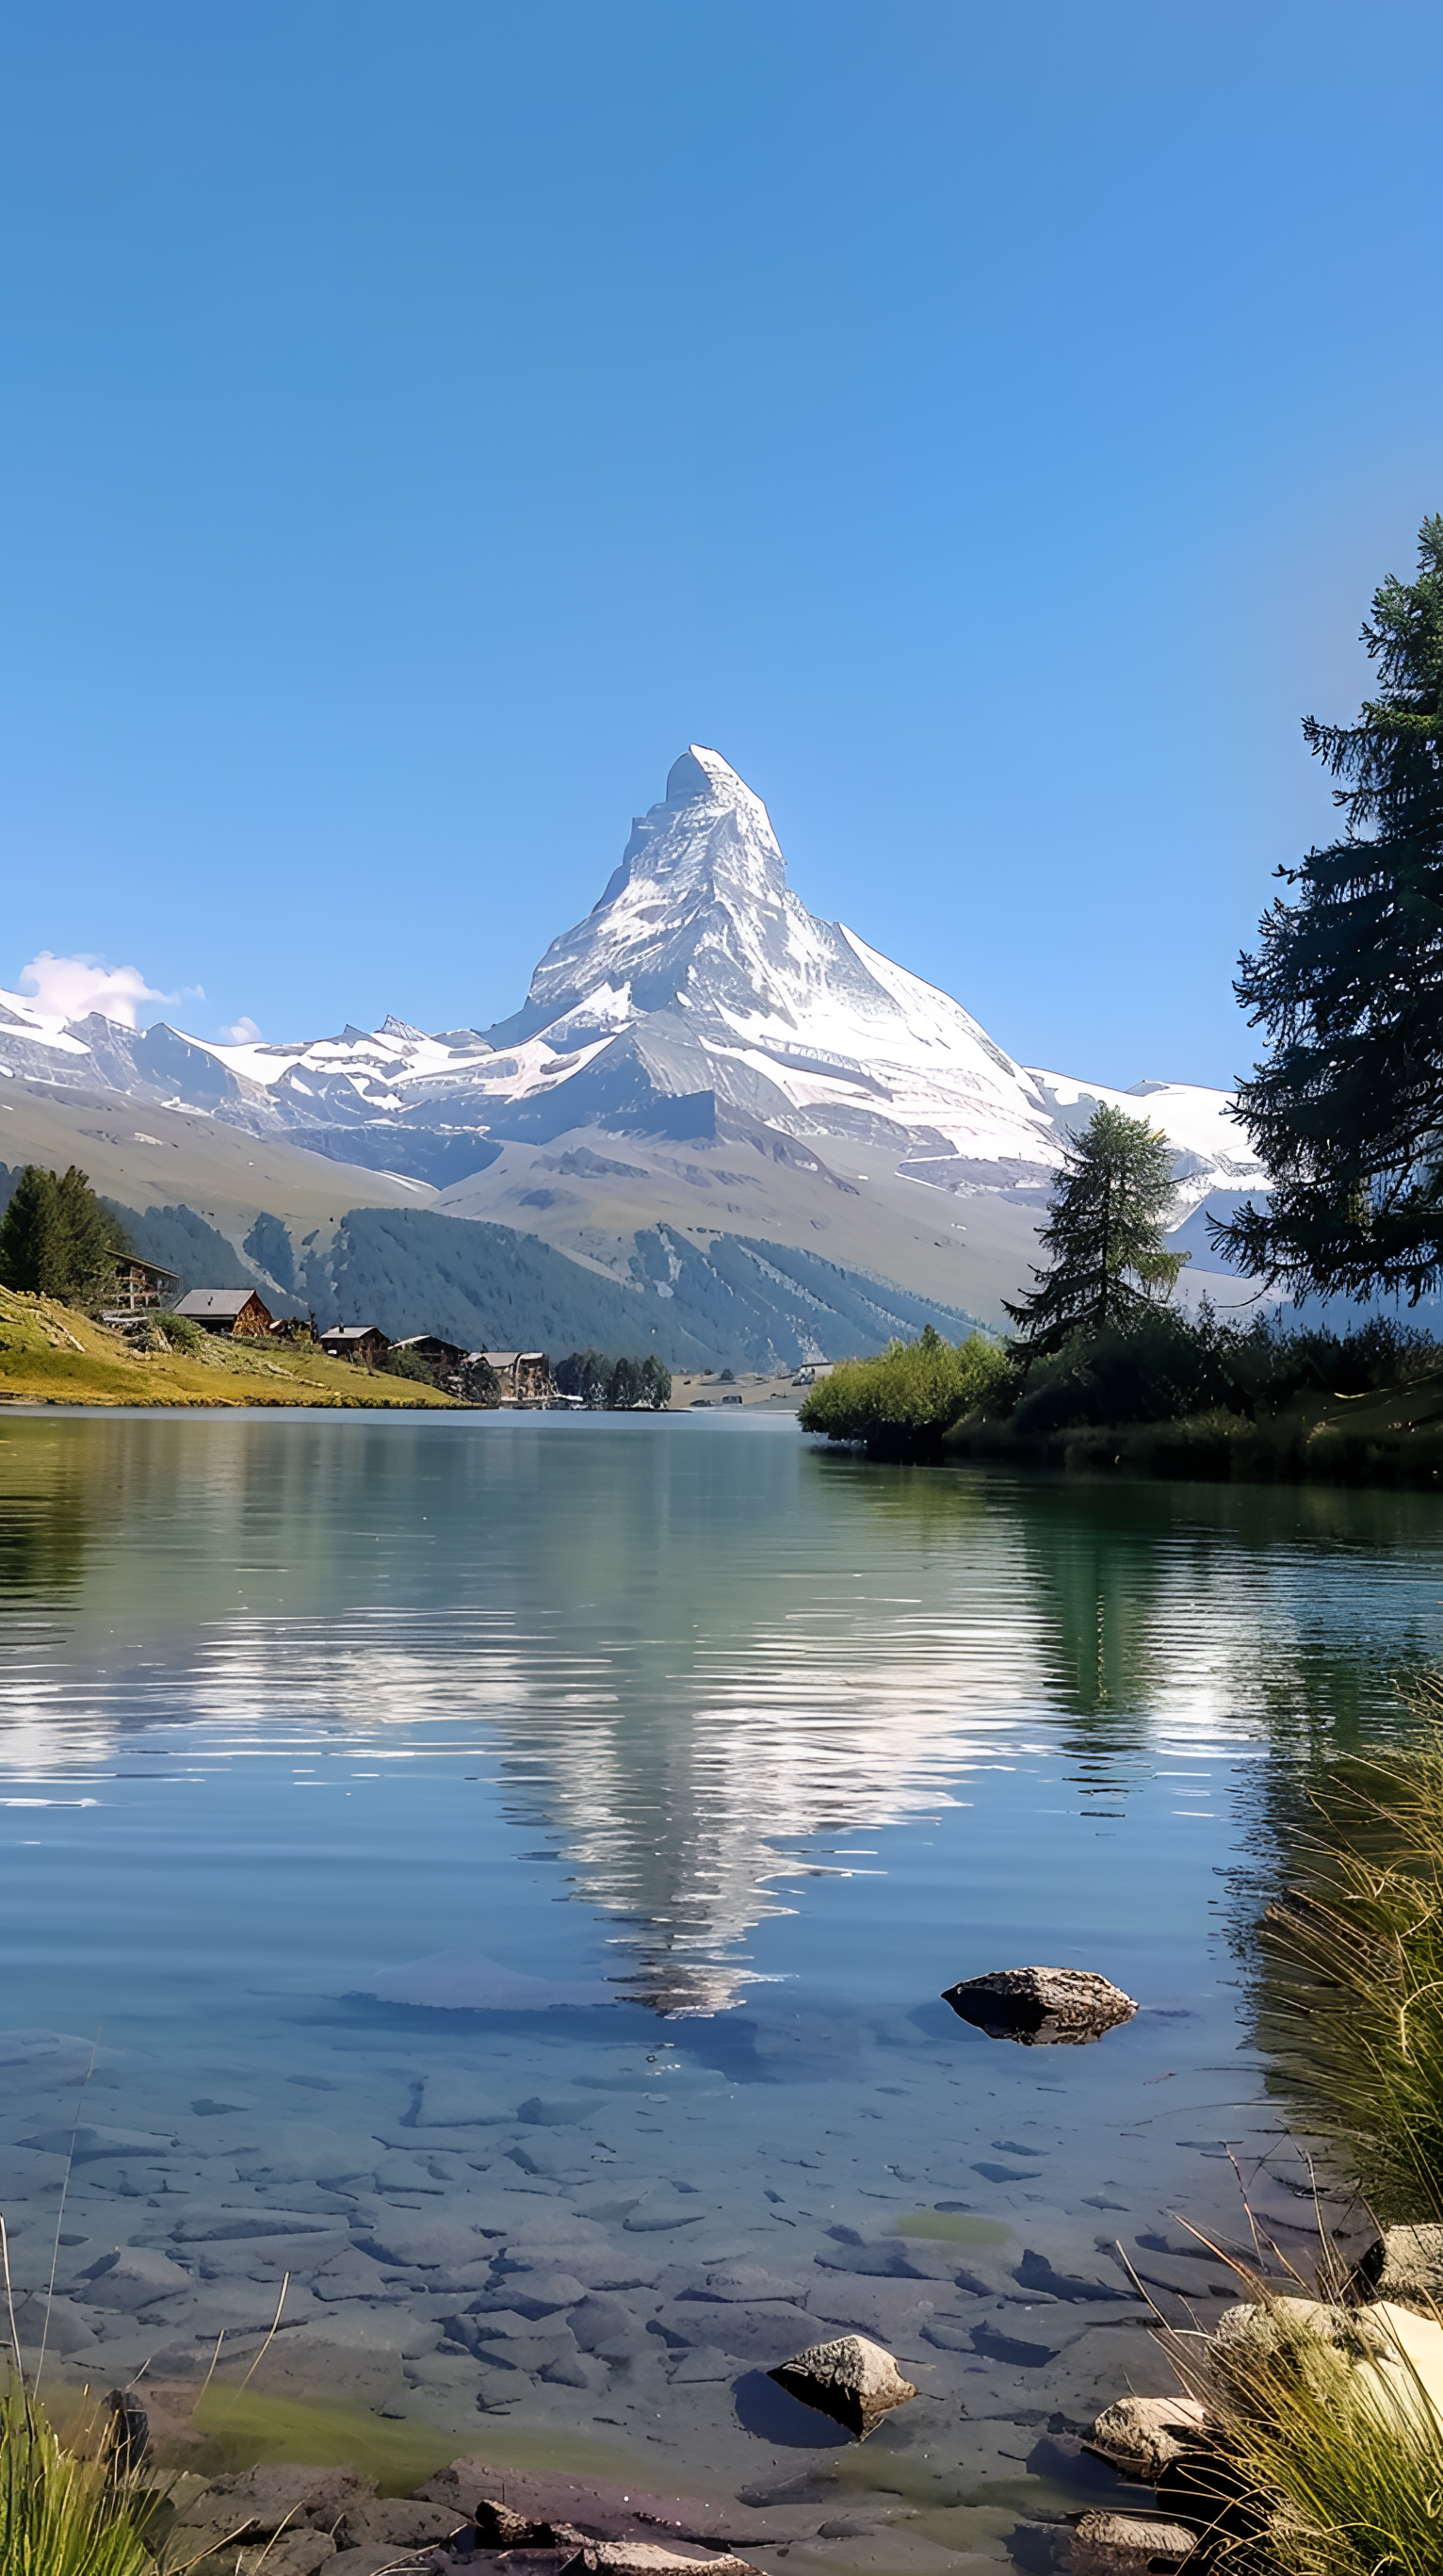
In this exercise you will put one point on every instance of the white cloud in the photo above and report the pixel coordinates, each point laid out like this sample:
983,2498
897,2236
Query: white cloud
65,988
242,1032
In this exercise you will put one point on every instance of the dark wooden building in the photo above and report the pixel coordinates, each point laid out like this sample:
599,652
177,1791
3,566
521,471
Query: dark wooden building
227,1310
139,1285
364,1344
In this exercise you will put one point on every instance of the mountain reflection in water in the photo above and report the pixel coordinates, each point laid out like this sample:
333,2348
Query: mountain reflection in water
710,1665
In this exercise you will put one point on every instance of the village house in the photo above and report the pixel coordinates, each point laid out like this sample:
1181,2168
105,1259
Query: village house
524,1377
445,1360
364,1344
226,1310
139,1286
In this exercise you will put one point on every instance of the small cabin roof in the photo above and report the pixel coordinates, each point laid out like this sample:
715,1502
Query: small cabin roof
221,1302
137,1261
353,1333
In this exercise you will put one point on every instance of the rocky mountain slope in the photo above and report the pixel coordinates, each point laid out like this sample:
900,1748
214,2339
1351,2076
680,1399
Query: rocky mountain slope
701,1060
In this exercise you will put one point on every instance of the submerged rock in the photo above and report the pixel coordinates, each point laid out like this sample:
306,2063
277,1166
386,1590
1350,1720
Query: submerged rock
644,2558
852,2379
1041,2007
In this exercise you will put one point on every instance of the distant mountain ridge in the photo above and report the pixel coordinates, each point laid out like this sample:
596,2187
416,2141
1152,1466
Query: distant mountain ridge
753,1056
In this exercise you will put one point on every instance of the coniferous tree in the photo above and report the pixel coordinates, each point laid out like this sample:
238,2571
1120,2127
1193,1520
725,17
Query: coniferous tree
1346,1114
655,1382
1105,1235
57,1240
625,1388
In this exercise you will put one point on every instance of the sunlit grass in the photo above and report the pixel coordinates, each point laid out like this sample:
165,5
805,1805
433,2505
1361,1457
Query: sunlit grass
1333,2460
63,2513
1351,2004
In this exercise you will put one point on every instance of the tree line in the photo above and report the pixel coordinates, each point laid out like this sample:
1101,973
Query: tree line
614,1385
56,1240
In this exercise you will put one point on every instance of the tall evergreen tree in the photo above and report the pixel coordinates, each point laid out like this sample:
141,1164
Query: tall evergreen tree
1105,1235
57,1240
1346,1113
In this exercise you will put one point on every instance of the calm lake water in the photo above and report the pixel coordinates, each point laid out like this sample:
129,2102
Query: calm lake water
322,1736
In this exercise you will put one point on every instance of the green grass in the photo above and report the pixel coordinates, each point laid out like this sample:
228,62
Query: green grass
62,2513
899,1405
1350,1999
50,1354
1340,2474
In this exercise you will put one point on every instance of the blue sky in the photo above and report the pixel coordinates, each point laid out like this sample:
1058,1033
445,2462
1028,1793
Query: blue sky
986,426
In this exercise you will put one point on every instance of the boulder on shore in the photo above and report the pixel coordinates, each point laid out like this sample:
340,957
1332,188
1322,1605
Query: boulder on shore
1143,2436
1041,2007
851,2379
1405,2265
1124,2544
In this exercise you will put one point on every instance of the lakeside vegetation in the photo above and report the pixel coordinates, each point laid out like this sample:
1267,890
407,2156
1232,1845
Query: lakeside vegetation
1350,1989
53,1354
1323,2417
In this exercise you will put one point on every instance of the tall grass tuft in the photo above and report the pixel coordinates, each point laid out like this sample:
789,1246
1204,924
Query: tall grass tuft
1332,2460
62,2514
1351,1997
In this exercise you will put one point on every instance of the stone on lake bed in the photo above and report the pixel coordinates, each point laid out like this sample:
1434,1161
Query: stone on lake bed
133,2276
467,1981
90,2144
852,2380
1041,2007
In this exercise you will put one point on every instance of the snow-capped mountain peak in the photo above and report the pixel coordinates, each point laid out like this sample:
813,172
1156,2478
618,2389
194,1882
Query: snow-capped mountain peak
698,1003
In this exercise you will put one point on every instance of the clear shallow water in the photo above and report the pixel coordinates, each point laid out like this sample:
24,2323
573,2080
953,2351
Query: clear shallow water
767,1743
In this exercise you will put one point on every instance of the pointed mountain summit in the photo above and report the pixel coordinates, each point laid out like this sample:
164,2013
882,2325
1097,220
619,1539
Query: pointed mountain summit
776,1081
699,976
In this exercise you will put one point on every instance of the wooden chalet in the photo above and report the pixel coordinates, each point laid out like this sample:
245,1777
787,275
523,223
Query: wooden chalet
445,1360
524,1377
139,1285
238,1311
363,1344
444,1357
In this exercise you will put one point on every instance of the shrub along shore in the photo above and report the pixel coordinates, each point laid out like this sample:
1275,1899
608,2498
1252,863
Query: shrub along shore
1162,1394
1313,2444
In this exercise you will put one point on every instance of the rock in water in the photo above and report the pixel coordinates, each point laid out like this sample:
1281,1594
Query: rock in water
1143,2436
499,2526
852,2380
1041,2007
643,2558
1122,2544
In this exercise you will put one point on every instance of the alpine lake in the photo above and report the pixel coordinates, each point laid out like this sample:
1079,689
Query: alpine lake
496,1876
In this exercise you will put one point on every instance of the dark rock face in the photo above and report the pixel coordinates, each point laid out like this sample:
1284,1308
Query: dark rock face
1041,2007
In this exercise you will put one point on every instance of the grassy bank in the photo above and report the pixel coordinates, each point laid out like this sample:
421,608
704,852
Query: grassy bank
1165,1395
1387,1436
50,1354
1350,1993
